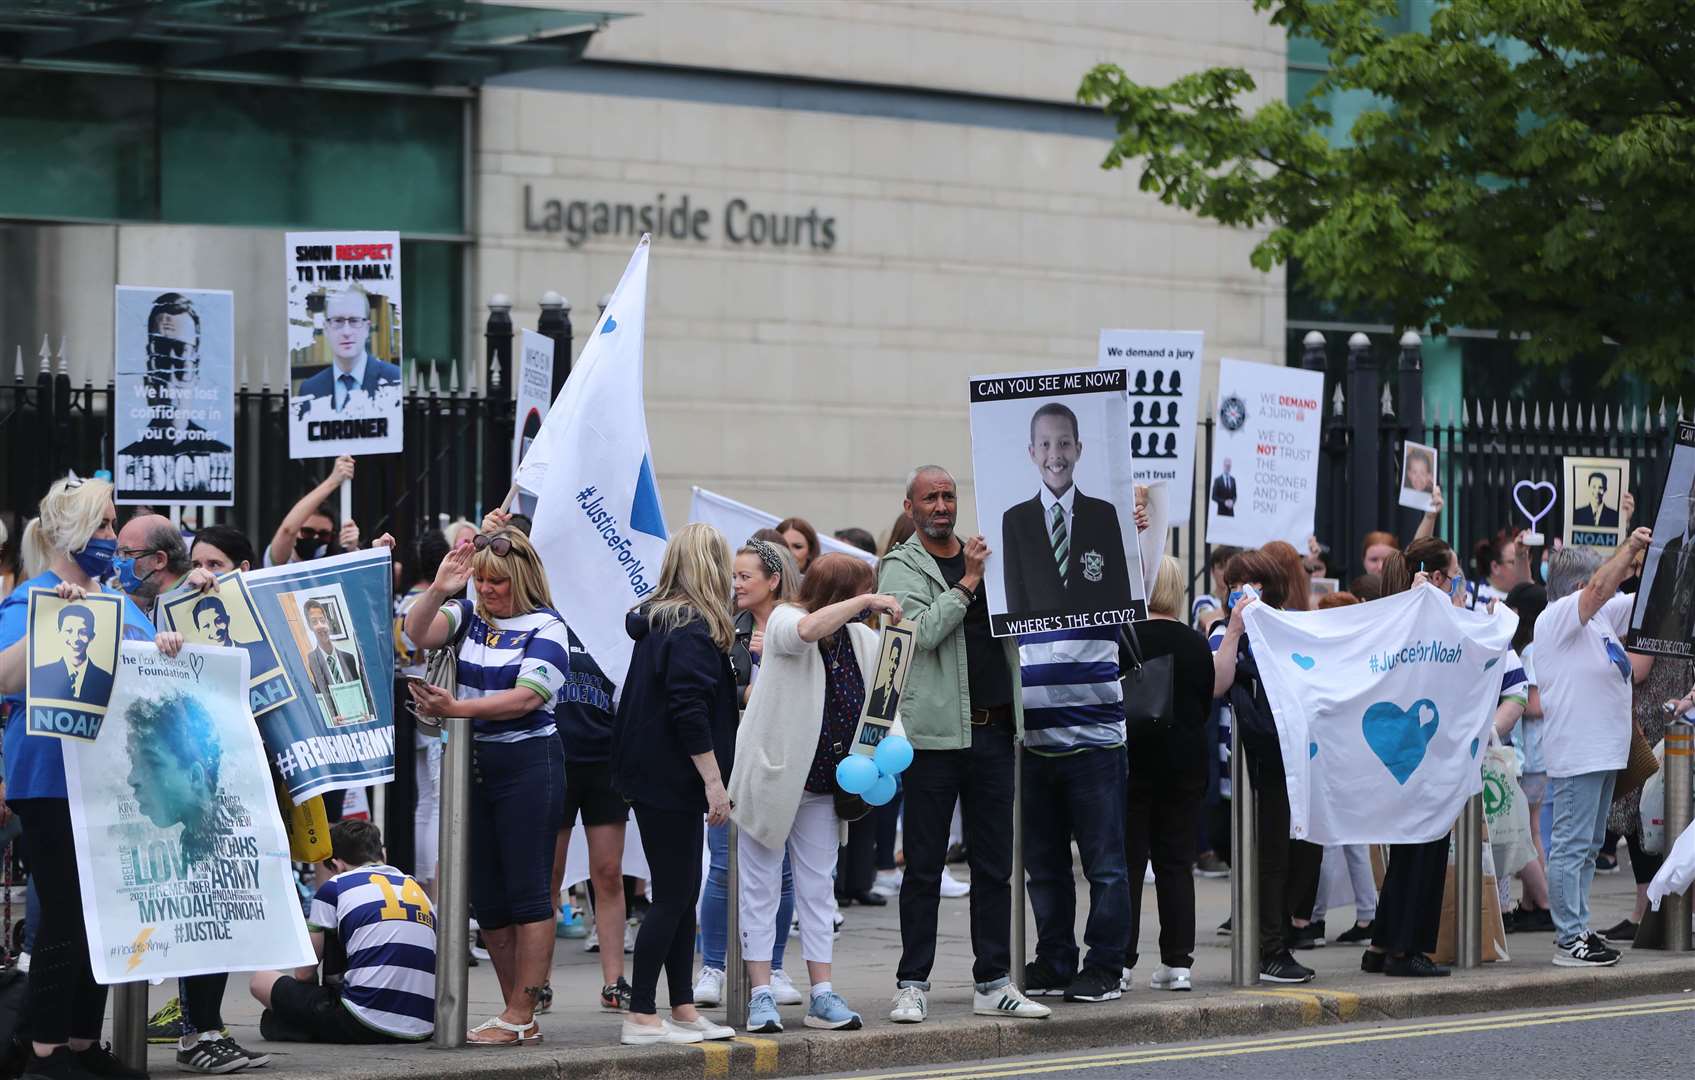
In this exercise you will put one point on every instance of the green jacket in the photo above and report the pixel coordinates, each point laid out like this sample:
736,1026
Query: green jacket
936,704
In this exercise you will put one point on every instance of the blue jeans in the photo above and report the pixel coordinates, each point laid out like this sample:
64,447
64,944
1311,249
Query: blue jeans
715,902
1077,797
1580,827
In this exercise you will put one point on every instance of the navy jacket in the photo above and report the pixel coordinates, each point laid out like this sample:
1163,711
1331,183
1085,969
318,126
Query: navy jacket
321,383
679,700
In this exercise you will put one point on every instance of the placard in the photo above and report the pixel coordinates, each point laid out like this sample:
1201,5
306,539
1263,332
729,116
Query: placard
73,658
1663,620
173,405
226,618
534,393
344,339
1263,483
738,521
1594,490
882,696
1418,476
1164,390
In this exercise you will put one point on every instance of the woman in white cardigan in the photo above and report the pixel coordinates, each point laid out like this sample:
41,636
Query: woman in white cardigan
799,723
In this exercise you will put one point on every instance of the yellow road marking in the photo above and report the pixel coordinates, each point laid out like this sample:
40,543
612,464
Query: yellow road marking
1347,1005
1312,1008
715,1061
764,1054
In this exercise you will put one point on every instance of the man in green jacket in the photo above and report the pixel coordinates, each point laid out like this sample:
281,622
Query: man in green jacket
962,710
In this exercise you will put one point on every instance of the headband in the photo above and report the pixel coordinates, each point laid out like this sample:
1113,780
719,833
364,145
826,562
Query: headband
768,557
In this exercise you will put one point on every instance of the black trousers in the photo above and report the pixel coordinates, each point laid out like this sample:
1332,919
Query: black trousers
1643,866
887,818
1285,865
1409,906
673,841
981,779
1159,825
64,1000
856,861
203,1001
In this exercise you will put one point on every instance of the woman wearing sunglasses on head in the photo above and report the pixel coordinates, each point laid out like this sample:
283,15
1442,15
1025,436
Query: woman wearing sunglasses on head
514,655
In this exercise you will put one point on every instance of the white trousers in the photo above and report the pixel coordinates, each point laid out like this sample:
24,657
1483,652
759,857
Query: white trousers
1347,869
812,859
426,815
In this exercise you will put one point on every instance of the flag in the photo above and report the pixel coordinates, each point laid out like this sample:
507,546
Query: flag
1676,872
1383,711
598,525
738,521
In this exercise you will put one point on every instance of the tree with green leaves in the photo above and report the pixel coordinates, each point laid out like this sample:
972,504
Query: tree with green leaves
1526,166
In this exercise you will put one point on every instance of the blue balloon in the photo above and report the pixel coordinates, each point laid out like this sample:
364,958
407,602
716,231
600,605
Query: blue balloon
893,755
881,792
856,774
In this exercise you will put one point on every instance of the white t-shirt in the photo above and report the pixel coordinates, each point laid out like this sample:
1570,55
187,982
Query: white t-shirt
1585,681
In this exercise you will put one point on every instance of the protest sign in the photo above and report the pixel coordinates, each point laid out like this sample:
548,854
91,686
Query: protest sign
1418,476
882,694
534,393
1164,391
343,343
226,618
181,857
330,622
1663,620
738,521
1382,710
1594,489
1058,558
73,658
173,411
1264,482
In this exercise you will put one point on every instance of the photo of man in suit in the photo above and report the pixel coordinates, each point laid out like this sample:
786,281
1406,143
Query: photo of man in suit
212,619
347,327
1064,550
885,699
74,676
1596,513
1670,614
1224,492
328,665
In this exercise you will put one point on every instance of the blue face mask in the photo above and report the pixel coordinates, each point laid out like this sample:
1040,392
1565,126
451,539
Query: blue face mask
1544,569
128,580
95,558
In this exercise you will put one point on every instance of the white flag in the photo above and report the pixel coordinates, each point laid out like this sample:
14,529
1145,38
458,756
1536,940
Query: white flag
1382,710
1677,872
599,527
738,521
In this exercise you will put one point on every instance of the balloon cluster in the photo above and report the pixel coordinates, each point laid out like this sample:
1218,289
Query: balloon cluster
873,778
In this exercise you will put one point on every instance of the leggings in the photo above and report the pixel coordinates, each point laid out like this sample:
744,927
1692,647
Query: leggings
64,1000
672,839
202,1002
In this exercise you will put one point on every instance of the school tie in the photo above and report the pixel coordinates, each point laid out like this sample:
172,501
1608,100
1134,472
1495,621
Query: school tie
1061,543
346,390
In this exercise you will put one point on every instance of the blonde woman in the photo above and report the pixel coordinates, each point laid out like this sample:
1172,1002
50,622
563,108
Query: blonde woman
672,746
514,656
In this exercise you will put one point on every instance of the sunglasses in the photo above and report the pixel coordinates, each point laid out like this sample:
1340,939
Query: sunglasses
310,535
500,545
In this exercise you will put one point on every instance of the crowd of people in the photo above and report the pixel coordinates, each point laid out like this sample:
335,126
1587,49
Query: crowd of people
749,673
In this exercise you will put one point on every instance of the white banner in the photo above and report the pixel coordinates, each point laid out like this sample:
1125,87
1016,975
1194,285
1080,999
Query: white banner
1263,484
1383,710
1677,872
1164,369
181,853
533,391
738,521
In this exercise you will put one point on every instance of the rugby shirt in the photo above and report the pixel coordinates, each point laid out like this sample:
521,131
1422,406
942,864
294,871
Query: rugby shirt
1072,697
385,924
532,650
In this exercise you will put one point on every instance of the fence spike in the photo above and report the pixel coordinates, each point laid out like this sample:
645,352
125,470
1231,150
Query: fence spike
1636,419
1662,413
414,378
1338,401
45,367
1387,405
64,361
453,376
435,379
1495,413
18,375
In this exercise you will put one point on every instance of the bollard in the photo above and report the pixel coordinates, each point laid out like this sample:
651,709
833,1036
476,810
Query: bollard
1675,909
1468,884
735,971
453,879
129,1024
1244,865
1018,895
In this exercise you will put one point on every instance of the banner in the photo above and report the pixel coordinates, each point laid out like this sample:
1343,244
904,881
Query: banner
1594,490
73,658
1164,392
183,864
226,618
599,527
330,621
1677,873
1059,557
173,406
738,521
1661,622
1382,711
895,650
1263,484
533,392
343,343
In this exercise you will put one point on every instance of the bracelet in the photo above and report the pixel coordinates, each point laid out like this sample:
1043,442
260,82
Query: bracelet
969,594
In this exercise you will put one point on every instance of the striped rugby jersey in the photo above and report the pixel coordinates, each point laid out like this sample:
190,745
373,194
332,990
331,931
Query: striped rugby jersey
385,924
1073,699
531,650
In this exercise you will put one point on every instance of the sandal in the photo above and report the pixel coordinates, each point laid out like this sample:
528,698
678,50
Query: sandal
522,1034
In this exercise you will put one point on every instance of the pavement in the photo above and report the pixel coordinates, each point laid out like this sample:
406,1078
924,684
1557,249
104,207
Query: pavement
580,1040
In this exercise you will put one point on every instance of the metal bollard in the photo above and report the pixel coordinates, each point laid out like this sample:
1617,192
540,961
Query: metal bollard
1468,884
1244,866
735,971
129,1024
453,880
1675,909
1018,893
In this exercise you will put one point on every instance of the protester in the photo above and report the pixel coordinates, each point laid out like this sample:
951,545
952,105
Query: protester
1532,914
308,530
672,745
962,711
410,661
1376,547
1500,567
382,921
1299,582
1208,608
859,538
9,562
802,540
899,533
461,530
221,549
513,656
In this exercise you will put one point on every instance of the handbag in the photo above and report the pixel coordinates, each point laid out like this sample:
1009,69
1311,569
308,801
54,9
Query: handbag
1147,685
1641,765
441,669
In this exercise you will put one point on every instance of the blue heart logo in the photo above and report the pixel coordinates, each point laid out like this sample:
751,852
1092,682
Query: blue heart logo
1305,663
1312,750
1620,660
611,325
1474,745
1399,736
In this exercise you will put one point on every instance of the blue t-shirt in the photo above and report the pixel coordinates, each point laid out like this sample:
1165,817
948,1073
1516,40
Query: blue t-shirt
35,766
584,712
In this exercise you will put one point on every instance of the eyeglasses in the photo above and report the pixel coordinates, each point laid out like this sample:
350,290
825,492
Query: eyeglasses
500,545
134,553
315,534
346,322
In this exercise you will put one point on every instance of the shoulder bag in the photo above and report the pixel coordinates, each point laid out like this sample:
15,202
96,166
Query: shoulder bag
1147,685
441,669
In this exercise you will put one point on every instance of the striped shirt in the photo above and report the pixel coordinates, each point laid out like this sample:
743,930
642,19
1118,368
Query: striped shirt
385,924
1072,697
531,650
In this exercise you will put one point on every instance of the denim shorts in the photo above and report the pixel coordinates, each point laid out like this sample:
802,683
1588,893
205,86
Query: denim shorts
517,807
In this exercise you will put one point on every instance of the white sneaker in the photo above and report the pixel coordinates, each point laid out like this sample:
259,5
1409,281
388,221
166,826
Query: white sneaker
952,887
592,942
634,1034
708,1030
783,988
888,883
912,1006
1170,978
709,988
23,962
1008,1001
630,929
1126,979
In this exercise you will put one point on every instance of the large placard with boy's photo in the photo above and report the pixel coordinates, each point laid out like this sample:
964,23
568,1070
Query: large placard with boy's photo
1663,621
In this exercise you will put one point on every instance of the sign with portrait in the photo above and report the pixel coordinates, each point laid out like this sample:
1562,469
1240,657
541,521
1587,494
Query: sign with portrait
181,856
882,695
173,411
1263,484
226,618
330,623
1418,476
533,393
73,659
344,356
1056,500
1663,620
1594,489
1164,390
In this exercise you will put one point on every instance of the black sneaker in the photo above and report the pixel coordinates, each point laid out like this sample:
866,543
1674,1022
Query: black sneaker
1531,920
1606,864
216,1056
1041,980
1372,962
1415,966
1357,934
1584,952
615,997
1599,942
254,1058
1624,931
99,1060
1224,927
1284,968
1310,936
61,1064
1093,985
